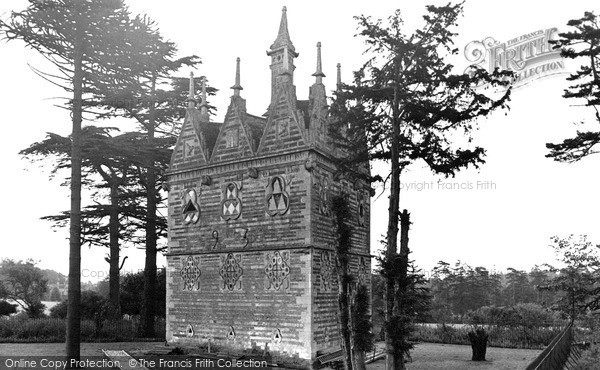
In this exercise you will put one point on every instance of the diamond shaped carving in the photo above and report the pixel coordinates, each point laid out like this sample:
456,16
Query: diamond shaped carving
278,270
231,205
191,208
231,271
190,274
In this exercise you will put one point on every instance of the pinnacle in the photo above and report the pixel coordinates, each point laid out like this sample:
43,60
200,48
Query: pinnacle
283,36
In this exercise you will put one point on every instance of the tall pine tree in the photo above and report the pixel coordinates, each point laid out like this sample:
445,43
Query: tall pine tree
581,43
82,39
407,104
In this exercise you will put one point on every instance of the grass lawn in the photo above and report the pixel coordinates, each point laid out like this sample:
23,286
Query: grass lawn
58,349
433,356
425,356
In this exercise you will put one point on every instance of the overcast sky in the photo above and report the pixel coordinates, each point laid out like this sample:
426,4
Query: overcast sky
530,197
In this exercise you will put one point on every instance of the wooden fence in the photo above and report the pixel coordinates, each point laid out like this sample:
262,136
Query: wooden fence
559,354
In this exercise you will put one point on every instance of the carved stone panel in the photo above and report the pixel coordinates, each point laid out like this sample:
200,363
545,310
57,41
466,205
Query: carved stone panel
278,198
277,271
361,203
191,208
190,273
189,331
232,137
231,271
231,205
363,271
283,128
231,334
189,148
327,271
277,337
323,184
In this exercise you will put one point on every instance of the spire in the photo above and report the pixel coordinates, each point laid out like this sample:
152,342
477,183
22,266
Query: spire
204,103
319,73
282,55
283,36
237,87
339,77
191,101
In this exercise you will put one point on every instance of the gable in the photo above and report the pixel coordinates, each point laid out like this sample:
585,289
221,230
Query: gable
284,130
188,151
234,141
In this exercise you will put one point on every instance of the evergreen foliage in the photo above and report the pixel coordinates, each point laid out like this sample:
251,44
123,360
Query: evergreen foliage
581,43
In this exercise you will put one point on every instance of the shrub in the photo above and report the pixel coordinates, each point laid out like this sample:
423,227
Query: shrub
590,359
499,336
522,314
53,330
92,306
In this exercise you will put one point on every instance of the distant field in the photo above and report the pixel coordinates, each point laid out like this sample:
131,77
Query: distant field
431,356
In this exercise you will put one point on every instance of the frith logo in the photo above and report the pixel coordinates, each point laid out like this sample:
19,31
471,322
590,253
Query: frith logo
530,56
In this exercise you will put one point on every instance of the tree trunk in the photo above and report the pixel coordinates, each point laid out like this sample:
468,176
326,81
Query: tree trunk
114,225
394,358
73,335
149,300
403,256
359,360
478,340
402,283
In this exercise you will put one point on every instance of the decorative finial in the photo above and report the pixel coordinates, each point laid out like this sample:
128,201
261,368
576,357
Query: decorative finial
237,87
283,35
191,101
204,104
319,73
339,77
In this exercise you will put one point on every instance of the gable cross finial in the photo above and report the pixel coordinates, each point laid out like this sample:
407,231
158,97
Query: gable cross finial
191,101
204,103
339,77
237,87
319,73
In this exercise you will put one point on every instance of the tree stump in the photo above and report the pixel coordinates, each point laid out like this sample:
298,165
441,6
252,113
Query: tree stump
478,340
